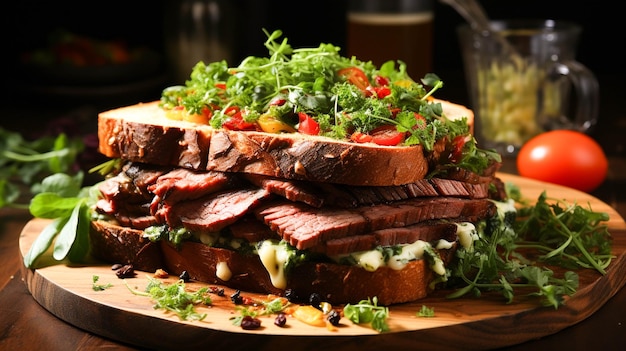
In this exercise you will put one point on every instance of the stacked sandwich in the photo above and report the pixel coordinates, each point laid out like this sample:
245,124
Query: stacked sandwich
301,173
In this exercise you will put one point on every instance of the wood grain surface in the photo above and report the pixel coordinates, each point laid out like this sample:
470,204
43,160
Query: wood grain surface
465,323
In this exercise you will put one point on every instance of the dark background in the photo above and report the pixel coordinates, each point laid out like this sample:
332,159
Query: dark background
602,46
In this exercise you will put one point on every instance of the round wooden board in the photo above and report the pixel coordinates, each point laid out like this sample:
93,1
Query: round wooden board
467,323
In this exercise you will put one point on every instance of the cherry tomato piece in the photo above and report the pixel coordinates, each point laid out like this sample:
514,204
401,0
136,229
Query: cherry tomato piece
307,125
359,137
355,76
381,81
456,150
387,136
379,92
236,122
564,157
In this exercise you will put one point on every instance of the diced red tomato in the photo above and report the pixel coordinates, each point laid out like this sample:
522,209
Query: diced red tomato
355,76
231,110
421,120
381,81
236,122
379,92
394,111
307,125
384,135
387,135
220,86
456,151
359,137
278,102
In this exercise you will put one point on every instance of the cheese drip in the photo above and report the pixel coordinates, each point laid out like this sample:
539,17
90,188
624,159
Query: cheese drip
274,258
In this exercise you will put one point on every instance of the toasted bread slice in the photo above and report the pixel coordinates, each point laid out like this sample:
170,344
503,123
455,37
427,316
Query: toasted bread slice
142,133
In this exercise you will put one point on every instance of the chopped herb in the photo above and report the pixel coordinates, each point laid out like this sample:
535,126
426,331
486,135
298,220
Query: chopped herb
426,312
99,287
512,255
368,311
175,298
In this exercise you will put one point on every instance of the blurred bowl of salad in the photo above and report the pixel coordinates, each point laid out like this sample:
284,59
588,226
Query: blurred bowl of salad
74,59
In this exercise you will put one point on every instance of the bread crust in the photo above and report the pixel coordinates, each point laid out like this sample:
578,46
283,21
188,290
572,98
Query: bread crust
338,284
142,133
116,244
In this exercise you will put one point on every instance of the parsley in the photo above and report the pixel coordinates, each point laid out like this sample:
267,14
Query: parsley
426,312
175,298
99,287
515,254
368,311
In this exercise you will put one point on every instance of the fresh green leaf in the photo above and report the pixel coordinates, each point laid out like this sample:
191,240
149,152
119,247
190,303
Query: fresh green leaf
43,242
67,235
24,163
52,205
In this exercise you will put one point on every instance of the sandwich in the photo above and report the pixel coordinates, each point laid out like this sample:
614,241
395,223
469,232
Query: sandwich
301,173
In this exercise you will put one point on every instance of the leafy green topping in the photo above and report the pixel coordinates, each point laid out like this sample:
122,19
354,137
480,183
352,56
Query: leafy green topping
516,250
310,80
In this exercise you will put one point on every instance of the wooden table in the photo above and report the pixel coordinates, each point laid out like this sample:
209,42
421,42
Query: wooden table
24,324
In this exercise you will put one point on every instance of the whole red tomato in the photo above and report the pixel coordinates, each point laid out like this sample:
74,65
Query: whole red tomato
564,157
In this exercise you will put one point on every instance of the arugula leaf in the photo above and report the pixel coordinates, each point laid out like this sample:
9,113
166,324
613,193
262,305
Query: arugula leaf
511,256
426,311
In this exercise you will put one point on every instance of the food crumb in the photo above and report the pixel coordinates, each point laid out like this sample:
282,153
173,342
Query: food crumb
160,273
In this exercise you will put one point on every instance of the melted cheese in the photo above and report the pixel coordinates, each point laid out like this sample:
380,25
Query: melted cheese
222,271
408,253
274,258
467,234
208,238
505,206
369,260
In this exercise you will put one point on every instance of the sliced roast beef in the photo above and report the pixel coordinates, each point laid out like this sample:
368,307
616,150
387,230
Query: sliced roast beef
294,190
252,230
428,231
370,195
317,194
183,184
213,212
305,227
128,190
135,222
